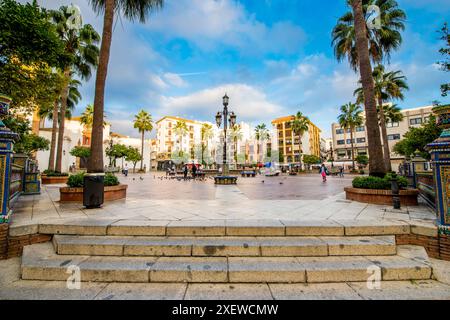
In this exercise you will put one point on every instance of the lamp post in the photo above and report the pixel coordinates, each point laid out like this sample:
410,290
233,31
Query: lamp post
230,117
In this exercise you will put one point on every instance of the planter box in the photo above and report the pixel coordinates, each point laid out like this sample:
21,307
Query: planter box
407,197
76,194
54,180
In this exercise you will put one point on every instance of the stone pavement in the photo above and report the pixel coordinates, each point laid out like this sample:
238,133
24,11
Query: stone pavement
11,287
281,198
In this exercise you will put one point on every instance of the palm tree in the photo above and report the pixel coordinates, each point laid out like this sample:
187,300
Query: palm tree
261,134
392,113
131,9
350,118
81,48
388,85
53,113
352,39
206,133
181,130
143,122
236,135
87,117
381,41
300,125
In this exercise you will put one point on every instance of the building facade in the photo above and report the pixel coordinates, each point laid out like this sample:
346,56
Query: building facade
342,140
292,147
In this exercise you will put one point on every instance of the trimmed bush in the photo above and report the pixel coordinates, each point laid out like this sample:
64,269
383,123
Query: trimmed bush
111,180
77,180
376,183
50,173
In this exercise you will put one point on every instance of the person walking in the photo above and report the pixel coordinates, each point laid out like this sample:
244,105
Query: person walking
194,170
185,171
341,172
125,170
323,173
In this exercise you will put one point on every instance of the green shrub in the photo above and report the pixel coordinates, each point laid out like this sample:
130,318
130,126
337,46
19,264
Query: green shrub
76,180
51,173
111,180
378,183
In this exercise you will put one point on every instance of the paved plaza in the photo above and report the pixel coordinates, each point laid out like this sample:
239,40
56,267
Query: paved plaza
261,198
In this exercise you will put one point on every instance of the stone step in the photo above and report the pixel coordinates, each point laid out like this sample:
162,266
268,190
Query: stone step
214,228
40,262
224,246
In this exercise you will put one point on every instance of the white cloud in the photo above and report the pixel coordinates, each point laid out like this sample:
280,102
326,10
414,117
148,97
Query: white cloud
175,79
212,23
249,103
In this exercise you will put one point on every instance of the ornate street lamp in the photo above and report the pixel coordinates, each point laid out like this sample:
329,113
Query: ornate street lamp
228,118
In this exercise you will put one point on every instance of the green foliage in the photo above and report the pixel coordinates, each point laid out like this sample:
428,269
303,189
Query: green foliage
300,124
116,151
51,173
111,180
31,143
362,160
76,180
81,152
133,155
143,121
311,159
445,51
418,138
376,183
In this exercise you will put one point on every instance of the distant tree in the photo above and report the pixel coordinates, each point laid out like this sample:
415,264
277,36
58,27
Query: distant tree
350,118
134,156
117,151
261,134
445,64
81,152
143,122
416,139
206,133
310,160
181,130
31,143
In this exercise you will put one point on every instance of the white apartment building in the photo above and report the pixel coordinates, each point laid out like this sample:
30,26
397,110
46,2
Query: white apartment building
342,142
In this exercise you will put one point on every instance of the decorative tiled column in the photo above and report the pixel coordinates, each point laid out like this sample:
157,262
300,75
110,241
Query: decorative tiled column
440,158
7,139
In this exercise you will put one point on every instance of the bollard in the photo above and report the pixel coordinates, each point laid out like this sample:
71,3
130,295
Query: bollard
395,191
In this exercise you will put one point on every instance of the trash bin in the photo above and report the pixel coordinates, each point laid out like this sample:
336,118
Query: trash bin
93,190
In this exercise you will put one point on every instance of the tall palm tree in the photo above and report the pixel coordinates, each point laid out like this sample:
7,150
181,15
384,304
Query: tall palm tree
143,122
87,117
53,113
261,134
381,42
388,85
206,133
392,113
236,135
81,47
376,163
181,130
130,9
350,118
300,125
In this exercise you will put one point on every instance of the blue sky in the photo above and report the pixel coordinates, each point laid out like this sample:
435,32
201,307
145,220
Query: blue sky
273,57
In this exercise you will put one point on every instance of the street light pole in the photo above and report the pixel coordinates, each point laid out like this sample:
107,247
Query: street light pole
226,116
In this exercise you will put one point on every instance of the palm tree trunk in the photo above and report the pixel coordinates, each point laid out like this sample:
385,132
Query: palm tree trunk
62,119
51,161
376,160
96,159
142,150
353,149
387,151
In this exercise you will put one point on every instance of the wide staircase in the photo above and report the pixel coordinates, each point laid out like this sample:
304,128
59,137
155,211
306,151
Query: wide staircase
239,254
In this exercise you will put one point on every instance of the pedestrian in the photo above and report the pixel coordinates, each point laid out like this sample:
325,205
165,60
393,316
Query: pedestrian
194,170
125,170
185,171
323,172
341,172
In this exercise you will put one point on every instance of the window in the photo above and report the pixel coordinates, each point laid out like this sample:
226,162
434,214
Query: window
415,121
361,140
349,141
394,137
426,119
360,129
339,131
392,124
341,142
